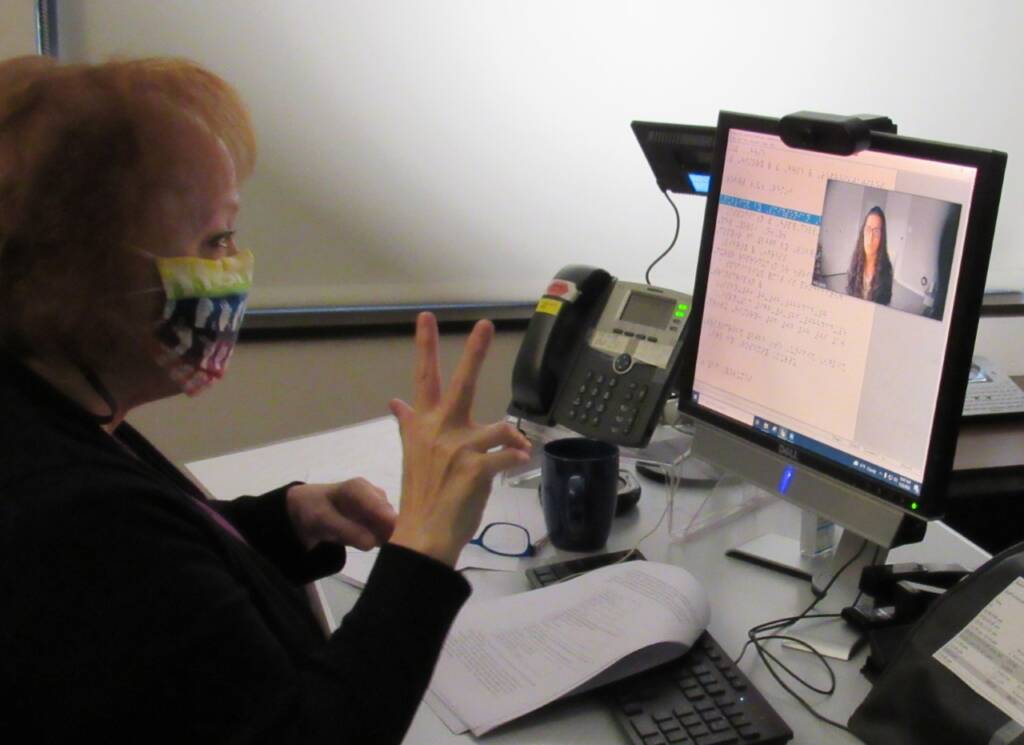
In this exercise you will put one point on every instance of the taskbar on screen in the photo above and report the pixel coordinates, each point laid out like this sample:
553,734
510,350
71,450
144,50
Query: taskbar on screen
860,465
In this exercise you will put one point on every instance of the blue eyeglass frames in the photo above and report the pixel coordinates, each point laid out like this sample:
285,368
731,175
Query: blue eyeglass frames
506,539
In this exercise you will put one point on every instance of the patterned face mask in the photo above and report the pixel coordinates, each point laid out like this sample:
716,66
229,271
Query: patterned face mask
202,315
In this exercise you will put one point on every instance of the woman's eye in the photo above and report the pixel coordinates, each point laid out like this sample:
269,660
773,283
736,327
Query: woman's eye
221,241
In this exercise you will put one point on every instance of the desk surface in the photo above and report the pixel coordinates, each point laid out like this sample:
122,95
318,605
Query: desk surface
741,595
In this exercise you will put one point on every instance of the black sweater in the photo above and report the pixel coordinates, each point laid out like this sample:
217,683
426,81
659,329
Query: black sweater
129,615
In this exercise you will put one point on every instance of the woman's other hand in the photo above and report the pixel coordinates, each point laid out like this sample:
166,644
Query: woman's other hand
448,461
352,513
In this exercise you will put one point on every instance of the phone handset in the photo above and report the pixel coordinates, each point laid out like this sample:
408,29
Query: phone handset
560,318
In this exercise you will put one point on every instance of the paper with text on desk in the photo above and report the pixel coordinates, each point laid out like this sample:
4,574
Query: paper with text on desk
507,657
988,654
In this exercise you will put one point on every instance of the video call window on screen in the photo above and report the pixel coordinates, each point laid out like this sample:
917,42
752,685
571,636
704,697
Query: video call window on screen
825,317
888,247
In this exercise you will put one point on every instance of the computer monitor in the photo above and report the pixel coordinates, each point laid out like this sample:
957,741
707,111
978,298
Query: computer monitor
835,309
679,155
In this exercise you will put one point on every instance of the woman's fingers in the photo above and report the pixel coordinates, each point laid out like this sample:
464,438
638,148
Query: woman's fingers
400,409
428,365
499,434
463,384
501,460
366,505
339,529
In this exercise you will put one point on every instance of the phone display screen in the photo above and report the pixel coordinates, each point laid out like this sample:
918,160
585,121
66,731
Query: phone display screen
648,310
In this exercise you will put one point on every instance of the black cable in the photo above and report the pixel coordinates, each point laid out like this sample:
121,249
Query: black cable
787,622
810,709
810,648
647,274
519,426
874,560
756,638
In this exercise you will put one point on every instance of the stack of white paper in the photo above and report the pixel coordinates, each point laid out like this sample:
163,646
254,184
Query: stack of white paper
509,656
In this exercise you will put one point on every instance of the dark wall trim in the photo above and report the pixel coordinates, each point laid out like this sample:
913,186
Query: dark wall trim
1003,304
46,28
366,320
380,315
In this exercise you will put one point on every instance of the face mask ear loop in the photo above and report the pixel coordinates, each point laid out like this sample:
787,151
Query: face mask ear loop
101,390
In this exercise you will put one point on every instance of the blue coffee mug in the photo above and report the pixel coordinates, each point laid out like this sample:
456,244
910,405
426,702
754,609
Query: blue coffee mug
579,489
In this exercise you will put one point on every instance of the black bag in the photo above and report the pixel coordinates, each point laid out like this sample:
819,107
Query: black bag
917,700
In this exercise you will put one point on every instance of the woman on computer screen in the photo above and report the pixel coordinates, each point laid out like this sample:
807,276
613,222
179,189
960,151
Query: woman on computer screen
135,609
870,273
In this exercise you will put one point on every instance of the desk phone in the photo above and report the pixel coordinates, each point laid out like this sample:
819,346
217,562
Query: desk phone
600,355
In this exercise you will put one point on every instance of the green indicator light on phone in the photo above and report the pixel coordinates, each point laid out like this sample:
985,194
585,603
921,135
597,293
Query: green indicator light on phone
913,505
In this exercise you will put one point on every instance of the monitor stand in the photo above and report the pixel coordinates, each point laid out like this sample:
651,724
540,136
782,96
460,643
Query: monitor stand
783,554
871,524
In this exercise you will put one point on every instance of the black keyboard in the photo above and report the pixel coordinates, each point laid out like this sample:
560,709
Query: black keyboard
701,698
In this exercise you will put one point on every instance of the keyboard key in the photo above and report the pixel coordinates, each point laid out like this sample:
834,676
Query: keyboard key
717,738
690,719
678,738
645,727
748,732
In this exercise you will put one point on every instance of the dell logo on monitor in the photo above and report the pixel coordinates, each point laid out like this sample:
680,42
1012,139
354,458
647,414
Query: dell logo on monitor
789,451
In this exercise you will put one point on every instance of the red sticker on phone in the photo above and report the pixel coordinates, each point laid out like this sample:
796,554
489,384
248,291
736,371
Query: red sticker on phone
563,289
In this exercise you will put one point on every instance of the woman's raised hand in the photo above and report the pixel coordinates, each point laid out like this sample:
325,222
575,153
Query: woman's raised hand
448,461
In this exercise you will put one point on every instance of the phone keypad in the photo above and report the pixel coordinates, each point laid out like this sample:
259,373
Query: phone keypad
593,405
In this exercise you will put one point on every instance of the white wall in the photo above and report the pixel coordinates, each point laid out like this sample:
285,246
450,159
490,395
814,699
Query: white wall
465,150
17,28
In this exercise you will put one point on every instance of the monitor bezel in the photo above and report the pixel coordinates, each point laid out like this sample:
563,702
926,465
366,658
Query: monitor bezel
981,220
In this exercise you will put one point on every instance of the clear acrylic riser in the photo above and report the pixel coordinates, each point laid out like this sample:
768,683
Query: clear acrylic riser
703,497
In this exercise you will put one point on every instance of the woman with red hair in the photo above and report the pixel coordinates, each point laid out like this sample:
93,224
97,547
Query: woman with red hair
135,608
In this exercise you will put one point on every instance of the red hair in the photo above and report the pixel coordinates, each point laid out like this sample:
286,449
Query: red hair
86,151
